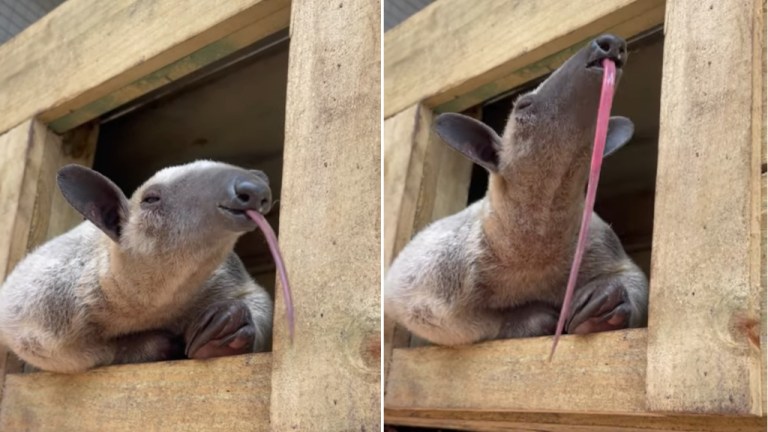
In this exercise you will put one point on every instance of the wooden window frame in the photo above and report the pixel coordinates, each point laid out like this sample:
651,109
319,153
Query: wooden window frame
698,365
88,57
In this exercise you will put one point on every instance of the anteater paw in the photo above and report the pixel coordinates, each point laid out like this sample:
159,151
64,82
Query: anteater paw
224,328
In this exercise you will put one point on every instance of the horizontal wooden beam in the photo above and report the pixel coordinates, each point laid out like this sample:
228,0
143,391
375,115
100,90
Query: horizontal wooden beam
490,421
594,384
230,393
455,54
597,374
89,56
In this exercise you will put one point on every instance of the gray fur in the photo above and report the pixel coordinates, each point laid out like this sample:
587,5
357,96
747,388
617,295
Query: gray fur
87,298
499,268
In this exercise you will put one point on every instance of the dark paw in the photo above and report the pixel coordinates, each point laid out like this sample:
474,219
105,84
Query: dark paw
224,329
599,307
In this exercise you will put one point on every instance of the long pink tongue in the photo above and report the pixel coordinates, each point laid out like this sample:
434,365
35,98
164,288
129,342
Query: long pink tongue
601,133
278,257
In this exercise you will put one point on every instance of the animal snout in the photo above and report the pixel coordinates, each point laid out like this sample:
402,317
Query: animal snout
608,46
255,195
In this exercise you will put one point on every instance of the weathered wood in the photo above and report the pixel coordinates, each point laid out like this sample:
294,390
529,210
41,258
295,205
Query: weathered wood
30,155
759,134
434,56
424,180
408,164
329,377
602,373
225,394
22,151
491,421
107,53
704,325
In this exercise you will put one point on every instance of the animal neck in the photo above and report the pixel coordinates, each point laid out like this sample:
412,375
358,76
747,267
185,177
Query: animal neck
138,282
535,213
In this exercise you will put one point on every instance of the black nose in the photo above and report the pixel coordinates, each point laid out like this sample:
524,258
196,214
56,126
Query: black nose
609,46
252,195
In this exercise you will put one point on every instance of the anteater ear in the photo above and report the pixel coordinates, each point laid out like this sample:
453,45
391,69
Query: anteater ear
95,197
471,138
620,130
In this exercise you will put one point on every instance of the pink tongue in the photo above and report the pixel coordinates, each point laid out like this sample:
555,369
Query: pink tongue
601,132
278,257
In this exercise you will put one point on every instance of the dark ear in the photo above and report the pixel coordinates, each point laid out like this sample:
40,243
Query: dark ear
620,130
95,197
471,138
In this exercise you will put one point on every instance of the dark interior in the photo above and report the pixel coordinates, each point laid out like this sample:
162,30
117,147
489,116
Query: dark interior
232,111
628,178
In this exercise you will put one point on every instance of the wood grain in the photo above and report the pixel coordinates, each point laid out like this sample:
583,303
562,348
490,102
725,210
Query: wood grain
454,51
703,333
104,54
601,373
225,394
491,421
30,155
329,377
424,180
22,151
407,165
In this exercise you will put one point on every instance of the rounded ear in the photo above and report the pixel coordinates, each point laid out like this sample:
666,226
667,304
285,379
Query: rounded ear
471,138
620,130
95,197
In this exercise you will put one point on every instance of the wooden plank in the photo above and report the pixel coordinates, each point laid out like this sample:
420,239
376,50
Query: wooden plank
424,180
329,377
224,394
107,53
764,283
22,151
489,421
704,318
30,155
454,48
407,165
759,134
21,156
514,375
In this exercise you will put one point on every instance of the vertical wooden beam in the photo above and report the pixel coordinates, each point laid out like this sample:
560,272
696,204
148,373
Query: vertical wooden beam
32,209
407,165
328,378
424,180
407,139
703,331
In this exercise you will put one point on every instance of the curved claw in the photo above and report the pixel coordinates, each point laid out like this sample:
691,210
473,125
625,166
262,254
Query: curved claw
225,328
600,308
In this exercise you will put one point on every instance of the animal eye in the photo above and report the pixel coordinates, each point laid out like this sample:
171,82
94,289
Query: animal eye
150,199
523,103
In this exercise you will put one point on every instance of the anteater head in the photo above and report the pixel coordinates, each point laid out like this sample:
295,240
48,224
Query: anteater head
200,204
553,124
